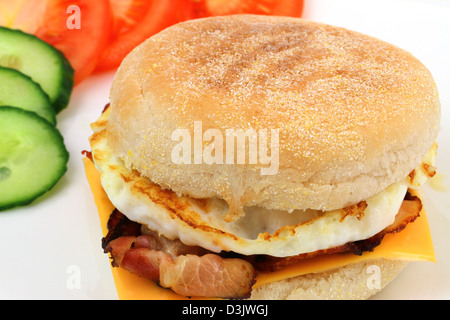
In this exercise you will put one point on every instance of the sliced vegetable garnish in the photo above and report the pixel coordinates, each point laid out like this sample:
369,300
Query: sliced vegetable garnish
204,8
19,90
33,157
40,61
135,21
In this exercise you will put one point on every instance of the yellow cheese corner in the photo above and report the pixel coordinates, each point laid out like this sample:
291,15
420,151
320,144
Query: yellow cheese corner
414,243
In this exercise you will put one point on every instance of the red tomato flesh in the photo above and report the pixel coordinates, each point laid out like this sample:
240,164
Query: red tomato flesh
205,8
135,21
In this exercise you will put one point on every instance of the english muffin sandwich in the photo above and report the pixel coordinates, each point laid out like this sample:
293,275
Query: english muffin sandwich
265,157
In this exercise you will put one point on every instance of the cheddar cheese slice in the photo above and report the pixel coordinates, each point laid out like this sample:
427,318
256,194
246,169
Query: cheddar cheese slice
414,243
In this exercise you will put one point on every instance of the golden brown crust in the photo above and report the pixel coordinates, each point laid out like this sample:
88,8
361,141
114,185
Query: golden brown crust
353,112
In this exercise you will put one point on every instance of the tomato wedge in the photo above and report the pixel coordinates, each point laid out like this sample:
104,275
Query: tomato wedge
205,8
134,22
50,20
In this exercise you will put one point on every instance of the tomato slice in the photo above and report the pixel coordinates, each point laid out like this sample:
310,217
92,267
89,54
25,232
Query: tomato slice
204,8
55,23
134,22
127,13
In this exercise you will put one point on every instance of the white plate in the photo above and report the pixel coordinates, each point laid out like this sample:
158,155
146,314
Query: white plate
52,250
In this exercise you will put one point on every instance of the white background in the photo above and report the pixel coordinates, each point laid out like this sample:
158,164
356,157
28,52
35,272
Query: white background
44,245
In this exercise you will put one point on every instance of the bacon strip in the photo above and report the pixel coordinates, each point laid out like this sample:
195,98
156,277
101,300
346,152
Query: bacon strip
119,226
160,259
208,276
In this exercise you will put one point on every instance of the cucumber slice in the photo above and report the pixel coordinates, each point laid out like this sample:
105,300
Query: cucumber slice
40,61
18,90
33,156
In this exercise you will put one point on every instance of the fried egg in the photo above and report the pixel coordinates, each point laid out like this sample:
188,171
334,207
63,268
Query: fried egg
260,231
